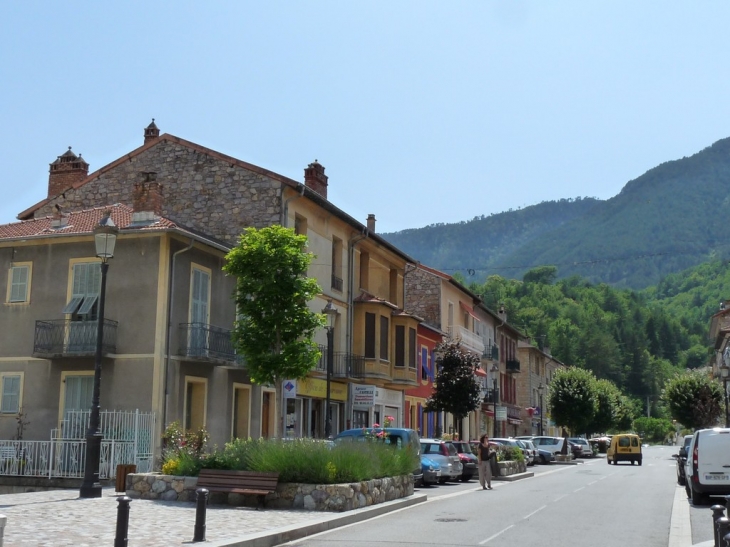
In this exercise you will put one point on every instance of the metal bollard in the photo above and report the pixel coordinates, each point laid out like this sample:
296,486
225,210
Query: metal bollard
727,541
120,539
200,507
722,529
3,522
718,511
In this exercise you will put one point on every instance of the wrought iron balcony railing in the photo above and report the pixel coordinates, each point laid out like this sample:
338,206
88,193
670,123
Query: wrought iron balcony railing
492,396
491,351
208,342
336,283
344,365
513,365
66,338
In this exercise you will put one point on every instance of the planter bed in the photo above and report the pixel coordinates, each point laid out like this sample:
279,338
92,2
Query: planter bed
313,497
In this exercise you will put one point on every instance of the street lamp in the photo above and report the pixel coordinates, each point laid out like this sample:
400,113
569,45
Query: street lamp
725,374
495,396
105,237
331,312
540,389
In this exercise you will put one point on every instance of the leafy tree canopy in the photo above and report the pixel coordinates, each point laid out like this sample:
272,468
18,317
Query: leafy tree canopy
456,389
573,399
694,399
275,326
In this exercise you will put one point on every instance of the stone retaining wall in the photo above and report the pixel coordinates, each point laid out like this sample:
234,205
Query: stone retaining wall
314,497
510,467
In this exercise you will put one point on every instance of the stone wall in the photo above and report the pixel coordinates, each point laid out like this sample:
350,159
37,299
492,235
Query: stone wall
199,190
314,497
423,296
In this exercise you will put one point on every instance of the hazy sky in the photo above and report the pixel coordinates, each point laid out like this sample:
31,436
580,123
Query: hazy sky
421,112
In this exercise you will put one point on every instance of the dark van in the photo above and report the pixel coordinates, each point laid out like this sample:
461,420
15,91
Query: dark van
396,436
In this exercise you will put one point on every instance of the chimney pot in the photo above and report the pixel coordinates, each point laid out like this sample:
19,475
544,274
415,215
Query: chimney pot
315,178
146,199
67,170
151,132
371,222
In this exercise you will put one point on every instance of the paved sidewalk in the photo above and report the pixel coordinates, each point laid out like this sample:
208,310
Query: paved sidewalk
59,518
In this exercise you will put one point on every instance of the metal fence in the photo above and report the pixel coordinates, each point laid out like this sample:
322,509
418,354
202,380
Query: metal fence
127,439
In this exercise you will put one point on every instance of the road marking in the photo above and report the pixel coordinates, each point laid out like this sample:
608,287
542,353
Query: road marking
561,497
680,527
535,511
592,483
497,534
579,489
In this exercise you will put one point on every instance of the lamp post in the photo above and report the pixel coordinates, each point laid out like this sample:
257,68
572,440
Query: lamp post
105,237
540,389
331,312
725,374
495,396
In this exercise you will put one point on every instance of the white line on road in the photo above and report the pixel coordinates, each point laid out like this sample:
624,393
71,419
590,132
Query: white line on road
497,534
535,511
561,497
579,489
592,483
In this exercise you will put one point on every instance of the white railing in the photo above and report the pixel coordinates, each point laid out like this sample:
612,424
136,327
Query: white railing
127,438
469,340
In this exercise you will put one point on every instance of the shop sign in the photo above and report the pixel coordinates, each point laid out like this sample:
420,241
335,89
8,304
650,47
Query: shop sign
501,414
363,397
289,389
316,388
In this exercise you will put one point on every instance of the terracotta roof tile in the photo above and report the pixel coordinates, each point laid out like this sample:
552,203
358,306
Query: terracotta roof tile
81,222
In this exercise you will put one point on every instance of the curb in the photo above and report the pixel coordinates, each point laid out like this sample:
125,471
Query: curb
515,477
285,534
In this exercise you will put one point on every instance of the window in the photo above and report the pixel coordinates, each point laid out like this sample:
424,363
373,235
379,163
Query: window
10,403
77,393
425,373
198,343
359,418
85,288
19,283
400,346
384,328
300,225
369,335
337,264
364,270
412,348
241,411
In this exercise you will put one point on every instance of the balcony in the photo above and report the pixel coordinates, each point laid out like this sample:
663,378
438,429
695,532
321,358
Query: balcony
344,365
491,352
468,340
513,366
203,342
492,396
64,338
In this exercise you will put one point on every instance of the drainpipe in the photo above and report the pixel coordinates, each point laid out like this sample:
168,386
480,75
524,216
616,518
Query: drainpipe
285,207
167,335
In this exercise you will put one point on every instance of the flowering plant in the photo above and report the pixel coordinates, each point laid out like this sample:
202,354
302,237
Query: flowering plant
389,421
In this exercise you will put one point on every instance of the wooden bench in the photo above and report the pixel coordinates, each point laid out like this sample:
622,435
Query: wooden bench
239,482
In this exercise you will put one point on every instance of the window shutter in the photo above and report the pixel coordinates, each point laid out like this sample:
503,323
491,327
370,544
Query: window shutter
19,284
11,395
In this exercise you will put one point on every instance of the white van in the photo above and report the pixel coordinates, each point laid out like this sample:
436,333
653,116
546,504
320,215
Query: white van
707,470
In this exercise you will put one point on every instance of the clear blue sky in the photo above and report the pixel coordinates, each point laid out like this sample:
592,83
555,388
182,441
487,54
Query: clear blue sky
420,111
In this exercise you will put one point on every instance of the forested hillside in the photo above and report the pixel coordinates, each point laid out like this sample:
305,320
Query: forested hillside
635,339
664,221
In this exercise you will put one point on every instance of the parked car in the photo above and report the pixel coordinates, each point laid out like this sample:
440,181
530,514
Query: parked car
533,450
431,471
513,443
586,448
545,457
575,449
682,459
529,455
443,452
468,460
396,436
551,444
707,471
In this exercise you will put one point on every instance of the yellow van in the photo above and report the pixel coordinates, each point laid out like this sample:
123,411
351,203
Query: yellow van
624,448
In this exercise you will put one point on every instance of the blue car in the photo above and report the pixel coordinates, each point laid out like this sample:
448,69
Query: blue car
431,471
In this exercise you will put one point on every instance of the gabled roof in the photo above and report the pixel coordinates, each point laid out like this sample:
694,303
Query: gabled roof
28,213
83,223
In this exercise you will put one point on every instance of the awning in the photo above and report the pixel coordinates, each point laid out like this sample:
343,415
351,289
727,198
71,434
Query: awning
479,372
513,421
468,309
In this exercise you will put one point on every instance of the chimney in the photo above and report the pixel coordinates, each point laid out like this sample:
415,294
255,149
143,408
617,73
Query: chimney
59,220
151,132
147,199
67,170
371,223
315,178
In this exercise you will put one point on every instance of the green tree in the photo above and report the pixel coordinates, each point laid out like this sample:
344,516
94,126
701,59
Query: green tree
275,326
573,399
607,407
624,414
694,399
655,430
456,389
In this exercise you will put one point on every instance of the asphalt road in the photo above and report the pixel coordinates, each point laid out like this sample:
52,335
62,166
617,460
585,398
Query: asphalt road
593,504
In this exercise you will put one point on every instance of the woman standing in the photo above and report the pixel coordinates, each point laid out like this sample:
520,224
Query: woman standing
485,455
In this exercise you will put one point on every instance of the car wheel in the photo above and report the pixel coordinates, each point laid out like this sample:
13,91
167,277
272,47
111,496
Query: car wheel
639,461
443,480
698,498
633,462
543,460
